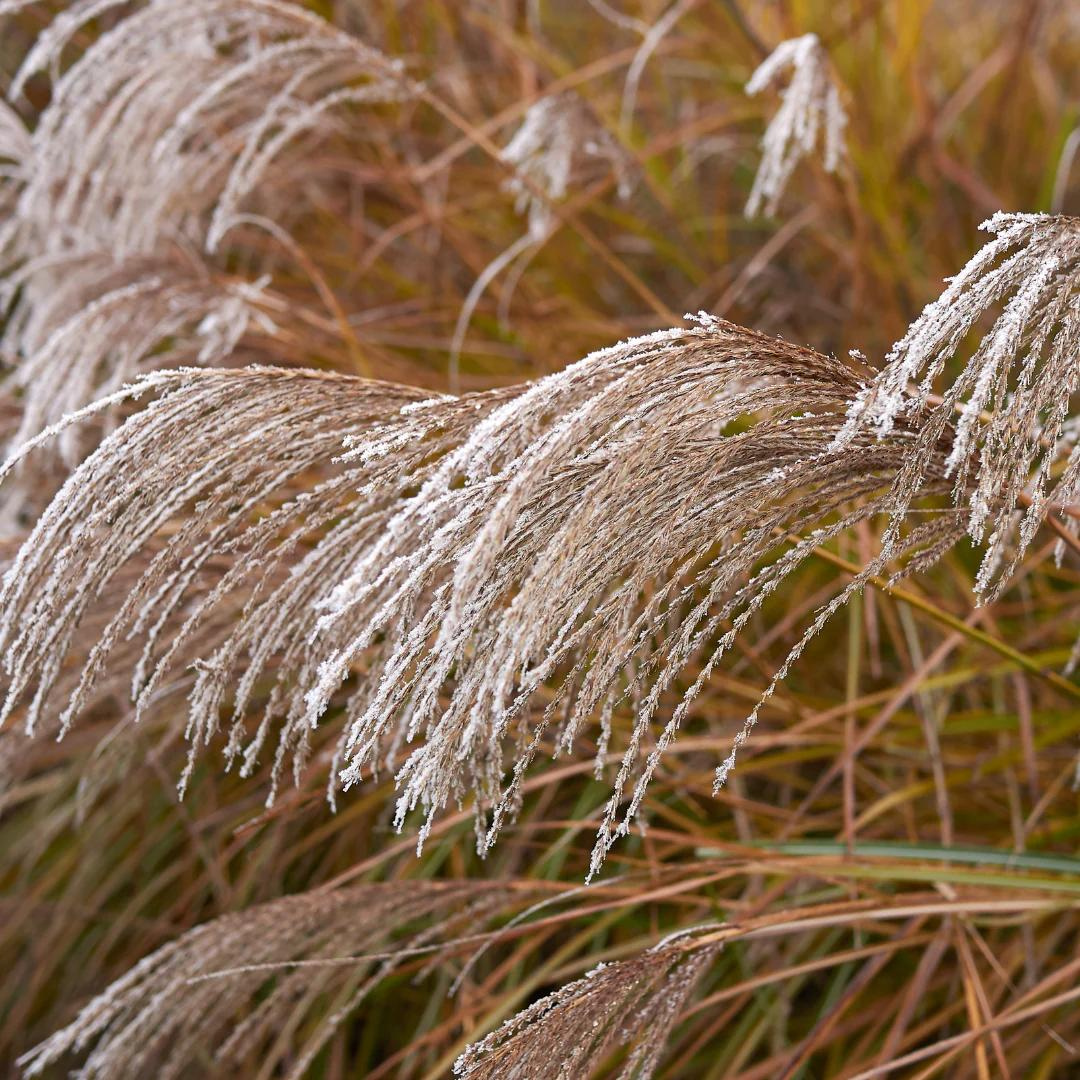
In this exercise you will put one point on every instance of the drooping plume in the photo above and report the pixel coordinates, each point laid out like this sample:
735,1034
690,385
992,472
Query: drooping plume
462,556
172,127
168,122
560,146
222,991
810,109
101,324
1013,395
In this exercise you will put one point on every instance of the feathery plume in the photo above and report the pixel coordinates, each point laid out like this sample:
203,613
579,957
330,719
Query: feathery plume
810,105
632,1004
282,426
109,697
460,555
219,993
102,324
170,120
1013,395
83,326
156,140
561,145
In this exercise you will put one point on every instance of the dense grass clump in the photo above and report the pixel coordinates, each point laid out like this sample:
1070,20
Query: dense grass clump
427,651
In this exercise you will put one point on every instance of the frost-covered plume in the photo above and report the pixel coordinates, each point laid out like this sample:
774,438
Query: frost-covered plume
176,123
81,327
106,703
103,324
562,146
810,108
222,992
1014,445
477,578
170,122
212,450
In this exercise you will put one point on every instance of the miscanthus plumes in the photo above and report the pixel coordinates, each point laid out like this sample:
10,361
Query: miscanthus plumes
1013,395
561,145
810,109
168,122
103,323
463,555
178,124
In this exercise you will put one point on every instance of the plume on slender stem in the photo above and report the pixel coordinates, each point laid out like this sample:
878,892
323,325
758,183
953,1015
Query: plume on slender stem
156,140
560,145
219,993
1014,394
631,1004
810,107
463,555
